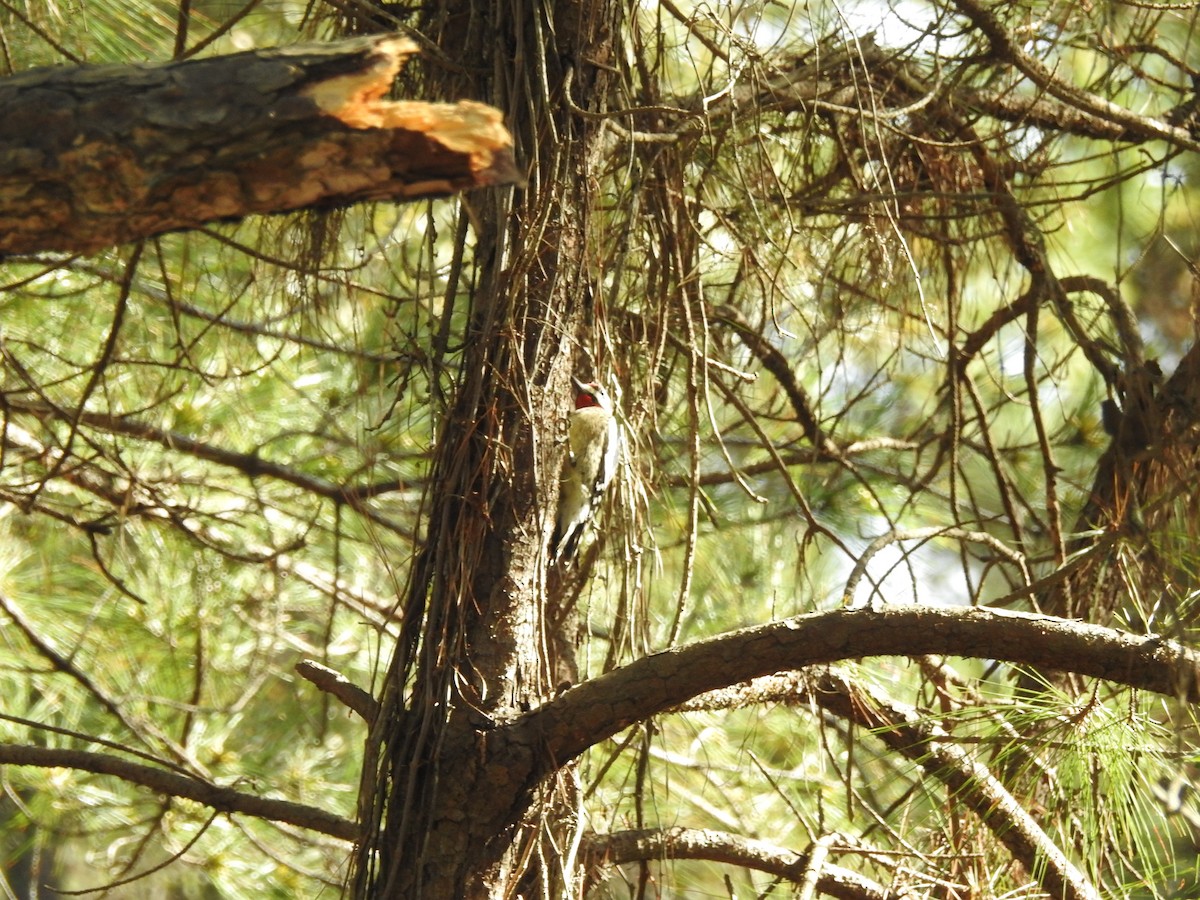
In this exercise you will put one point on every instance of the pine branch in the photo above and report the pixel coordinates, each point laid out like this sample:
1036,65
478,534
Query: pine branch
595,710
171,784
907,732
732,849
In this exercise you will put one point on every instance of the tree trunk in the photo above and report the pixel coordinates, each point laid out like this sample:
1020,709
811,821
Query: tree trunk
448,803
95,156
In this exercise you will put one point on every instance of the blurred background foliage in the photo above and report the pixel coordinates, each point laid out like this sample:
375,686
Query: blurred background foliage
215,447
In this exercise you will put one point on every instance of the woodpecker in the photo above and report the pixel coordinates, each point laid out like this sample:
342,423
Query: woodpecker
593,454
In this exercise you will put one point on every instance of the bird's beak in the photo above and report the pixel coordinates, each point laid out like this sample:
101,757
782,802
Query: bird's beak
581,385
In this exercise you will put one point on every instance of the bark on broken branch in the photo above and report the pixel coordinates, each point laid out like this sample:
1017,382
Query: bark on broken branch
101,155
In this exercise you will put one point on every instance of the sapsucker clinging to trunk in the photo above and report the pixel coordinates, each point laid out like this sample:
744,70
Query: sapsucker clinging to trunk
593,454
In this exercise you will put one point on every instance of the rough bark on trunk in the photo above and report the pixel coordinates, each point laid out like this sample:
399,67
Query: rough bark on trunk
99,155
450,806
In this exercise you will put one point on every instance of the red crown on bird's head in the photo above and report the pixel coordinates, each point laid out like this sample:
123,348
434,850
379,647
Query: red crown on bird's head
590,394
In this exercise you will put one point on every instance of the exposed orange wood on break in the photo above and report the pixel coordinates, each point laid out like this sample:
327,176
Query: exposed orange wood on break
467,127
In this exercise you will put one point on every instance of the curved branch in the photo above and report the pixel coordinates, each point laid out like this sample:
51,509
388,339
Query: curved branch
1123,319
597,709
1121,316
718,846
133,500
779,366
146,731
1006,47
221,316
171,784
249,464
924,534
